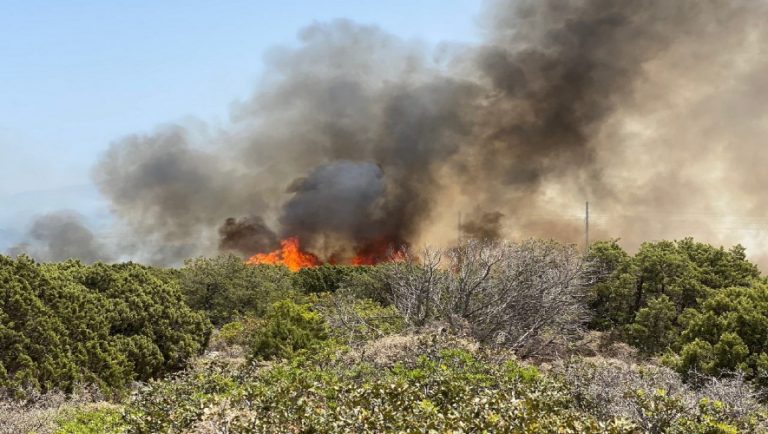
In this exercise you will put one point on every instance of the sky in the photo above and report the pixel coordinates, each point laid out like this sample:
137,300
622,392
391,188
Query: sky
77,75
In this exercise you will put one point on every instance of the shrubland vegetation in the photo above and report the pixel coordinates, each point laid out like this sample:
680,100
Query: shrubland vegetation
528,337
68,324
705,309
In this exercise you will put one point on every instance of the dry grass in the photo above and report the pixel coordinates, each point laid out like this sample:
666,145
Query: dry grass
386,351
38,413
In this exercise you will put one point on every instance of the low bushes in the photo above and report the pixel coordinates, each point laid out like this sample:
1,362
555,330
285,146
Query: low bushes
226,288
325,278
656,399
67,324
448,390
97,420
436,383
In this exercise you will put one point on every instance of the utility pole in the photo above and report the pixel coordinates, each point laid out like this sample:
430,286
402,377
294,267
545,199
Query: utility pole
586,228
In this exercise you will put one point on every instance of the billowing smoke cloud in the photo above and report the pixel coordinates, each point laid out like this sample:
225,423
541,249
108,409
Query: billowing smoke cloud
337,201
647,108
59,236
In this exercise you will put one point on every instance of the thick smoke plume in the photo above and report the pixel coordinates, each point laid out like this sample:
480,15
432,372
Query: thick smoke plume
651,109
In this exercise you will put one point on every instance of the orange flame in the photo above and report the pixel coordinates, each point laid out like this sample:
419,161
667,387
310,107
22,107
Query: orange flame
377,251
289,254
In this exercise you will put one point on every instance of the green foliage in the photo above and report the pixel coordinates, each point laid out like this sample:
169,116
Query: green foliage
653,328
706,307
239,332
226,288
325,278
613,292
68,323
683,271
728,332
177,403
655,399
651,298
92,421
287,328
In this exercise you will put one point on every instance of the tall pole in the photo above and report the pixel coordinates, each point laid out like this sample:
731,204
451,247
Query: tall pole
586,228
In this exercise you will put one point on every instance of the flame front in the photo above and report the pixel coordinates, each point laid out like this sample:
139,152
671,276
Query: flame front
289,254
377,251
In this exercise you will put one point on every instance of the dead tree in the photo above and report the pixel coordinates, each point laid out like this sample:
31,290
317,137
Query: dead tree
519,295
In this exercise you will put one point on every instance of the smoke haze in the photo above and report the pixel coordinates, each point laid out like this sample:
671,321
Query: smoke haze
59,236
654,110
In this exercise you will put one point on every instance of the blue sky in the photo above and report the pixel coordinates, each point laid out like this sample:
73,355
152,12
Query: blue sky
76,75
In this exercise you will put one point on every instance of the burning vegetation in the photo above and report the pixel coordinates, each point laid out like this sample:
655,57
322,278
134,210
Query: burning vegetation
289,254
292,256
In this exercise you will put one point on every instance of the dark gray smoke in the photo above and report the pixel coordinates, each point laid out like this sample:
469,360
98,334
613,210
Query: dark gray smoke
59,236
246,235
357,136
486,226
338,202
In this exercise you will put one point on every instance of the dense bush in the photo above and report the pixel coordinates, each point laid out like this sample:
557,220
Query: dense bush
237,333
706,308
326,278
684,272
727,332
417,345
287,328
226,288
96,420
450,392
67,323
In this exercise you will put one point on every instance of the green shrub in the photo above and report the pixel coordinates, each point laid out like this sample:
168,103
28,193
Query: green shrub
442,388
685,272
705,308
288,328
226,288
653,328
66,324
656,400
92,421
728,332
325,278
239,332
177,403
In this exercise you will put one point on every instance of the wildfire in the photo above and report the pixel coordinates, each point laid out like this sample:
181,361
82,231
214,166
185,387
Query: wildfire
381,250
291,255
